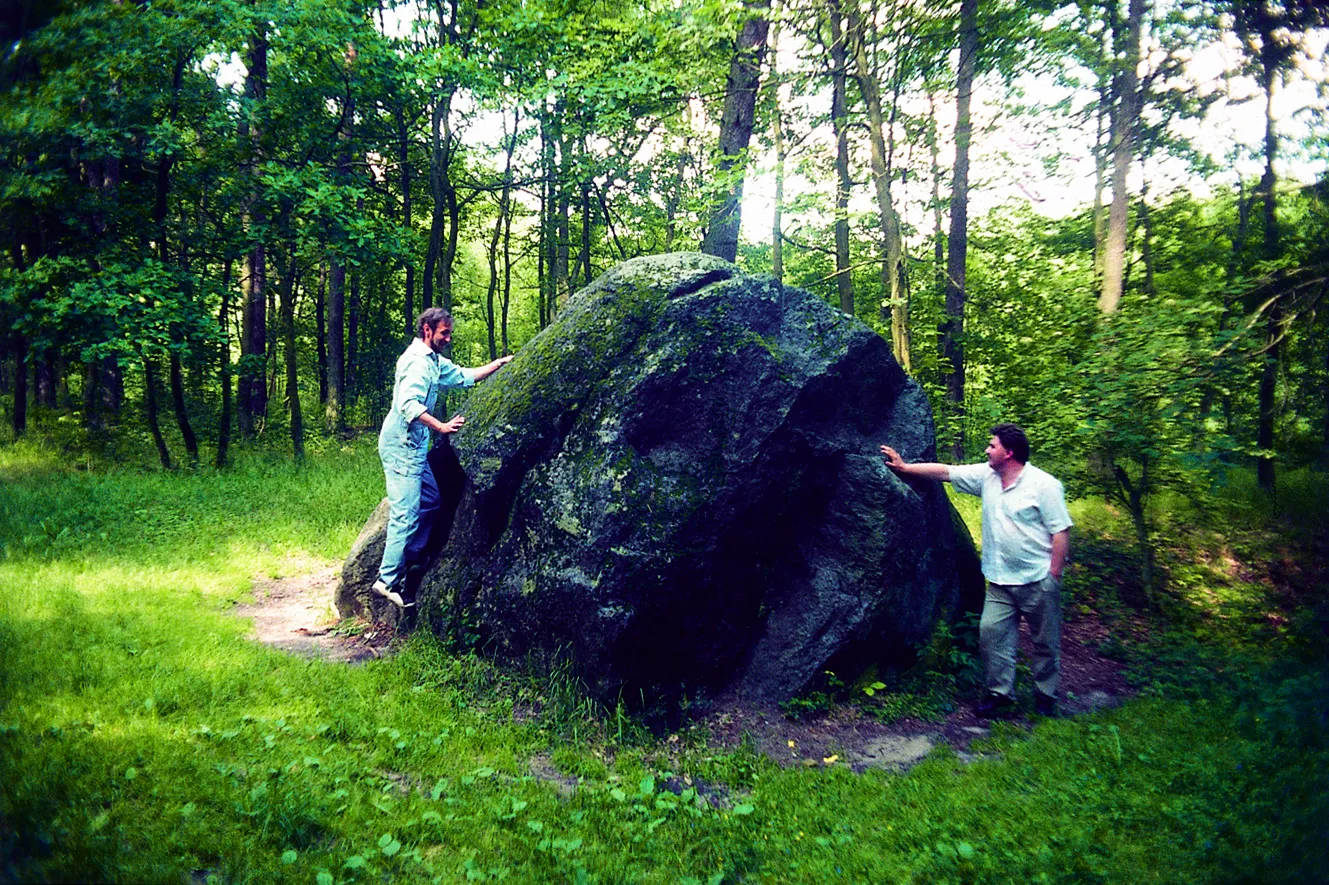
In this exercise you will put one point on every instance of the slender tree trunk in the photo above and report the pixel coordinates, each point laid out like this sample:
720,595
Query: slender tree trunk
404,159
844,280
1264,465
777,218
1124,122
952,339
892,267
20,416
150,410
1100,182
321,333
354,315
45,371
181,414
253,343
224,323
736,131
286,293
333,417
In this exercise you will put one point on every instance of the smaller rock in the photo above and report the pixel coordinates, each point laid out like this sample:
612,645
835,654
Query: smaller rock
354,598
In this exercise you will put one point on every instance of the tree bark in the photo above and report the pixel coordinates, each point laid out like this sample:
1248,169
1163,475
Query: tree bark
736,131
286,296
253,343
892,266
957,251
404,159
1124,121
224,322
321,333
150,410
1264,465
181,414
777,217
333,417
20,416
844,280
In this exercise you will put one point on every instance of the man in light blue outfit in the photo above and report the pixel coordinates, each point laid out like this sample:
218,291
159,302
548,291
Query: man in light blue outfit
1026,539
403,445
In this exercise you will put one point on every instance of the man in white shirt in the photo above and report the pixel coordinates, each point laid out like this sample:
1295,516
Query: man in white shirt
1026,539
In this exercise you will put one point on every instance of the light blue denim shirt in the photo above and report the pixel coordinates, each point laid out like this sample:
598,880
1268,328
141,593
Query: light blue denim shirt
403,442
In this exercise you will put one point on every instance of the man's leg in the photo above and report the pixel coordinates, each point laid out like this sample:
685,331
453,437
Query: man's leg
1041,604
403,520
998,633
426,509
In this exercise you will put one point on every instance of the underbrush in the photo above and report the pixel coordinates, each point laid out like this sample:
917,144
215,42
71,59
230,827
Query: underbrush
143,737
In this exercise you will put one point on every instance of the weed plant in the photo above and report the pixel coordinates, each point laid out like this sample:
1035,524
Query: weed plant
144,737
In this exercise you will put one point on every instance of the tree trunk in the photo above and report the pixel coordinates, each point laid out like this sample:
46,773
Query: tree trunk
354,313
892,267
844,280
1124,122
333,417
45,371
1264,465
321,333
736,131
150,410
404,159
952,339
224,322
20,416
286,294
777,217
253,343
181,413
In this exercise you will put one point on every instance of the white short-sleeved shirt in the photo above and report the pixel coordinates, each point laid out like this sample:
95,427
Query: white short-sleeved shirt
1018,522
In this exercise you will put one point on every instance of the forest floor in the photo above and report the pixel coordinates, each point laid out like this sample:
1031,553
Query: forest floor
295,613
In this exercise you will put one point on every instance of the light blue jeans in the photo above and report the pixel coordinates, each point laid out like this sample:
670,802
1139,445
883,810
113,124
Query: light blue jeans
412,501
999,634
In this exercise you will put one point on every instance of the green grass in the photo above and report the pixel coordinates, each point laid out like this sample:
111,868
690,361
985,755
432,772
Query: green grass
143,737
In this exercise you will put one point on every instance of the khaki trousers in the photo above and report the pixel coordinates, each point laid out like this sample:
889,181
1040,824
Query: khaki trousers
999,633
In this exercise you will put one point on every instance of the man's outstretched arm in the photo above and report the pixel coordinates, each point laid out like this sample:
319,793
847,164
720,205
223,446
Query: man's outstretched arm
488,369
924,469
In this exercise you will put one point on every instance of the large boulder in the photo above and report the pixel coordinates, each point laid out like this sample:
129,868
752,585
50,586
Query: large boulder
678,485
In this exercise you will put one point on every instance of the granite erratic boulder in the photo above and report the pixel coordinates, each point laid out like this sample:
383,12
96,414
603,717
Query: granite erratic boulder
677,485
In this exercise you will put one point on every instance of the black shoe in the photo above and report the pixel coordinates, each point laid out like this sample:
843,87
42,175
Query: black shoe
1045,705
993,705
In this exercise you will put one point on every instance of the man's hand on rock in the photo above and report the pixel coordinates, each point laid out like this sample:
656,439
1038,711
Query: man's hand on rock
893,459
453,424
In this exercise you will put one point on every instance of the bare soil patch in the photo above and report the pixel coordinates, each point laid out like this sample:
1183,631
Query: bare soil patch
846,736
296,614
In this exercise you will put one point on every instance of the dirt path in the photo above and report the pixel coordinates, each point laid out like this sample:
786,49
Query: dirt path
296,614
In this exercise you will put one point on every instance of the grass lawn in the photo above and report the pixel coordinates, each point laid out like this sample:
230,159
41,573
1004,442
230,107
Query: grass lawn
144,738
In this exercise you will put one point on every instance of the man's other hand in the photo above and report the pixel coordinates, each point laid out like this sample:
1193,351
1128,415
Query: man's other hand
453,424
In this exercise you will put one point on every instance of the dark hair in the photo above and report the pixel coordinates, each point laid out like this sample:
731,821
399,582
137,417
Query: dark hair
433,317
1013,440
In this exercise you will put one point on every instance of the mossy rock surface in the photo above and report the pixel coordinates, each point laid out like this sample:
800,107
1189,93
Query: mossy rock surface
678,484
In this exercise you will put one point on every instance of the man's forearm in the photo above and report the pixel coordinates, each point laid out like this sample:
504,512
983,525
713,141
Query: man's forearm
926,470
1061,548
490,368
